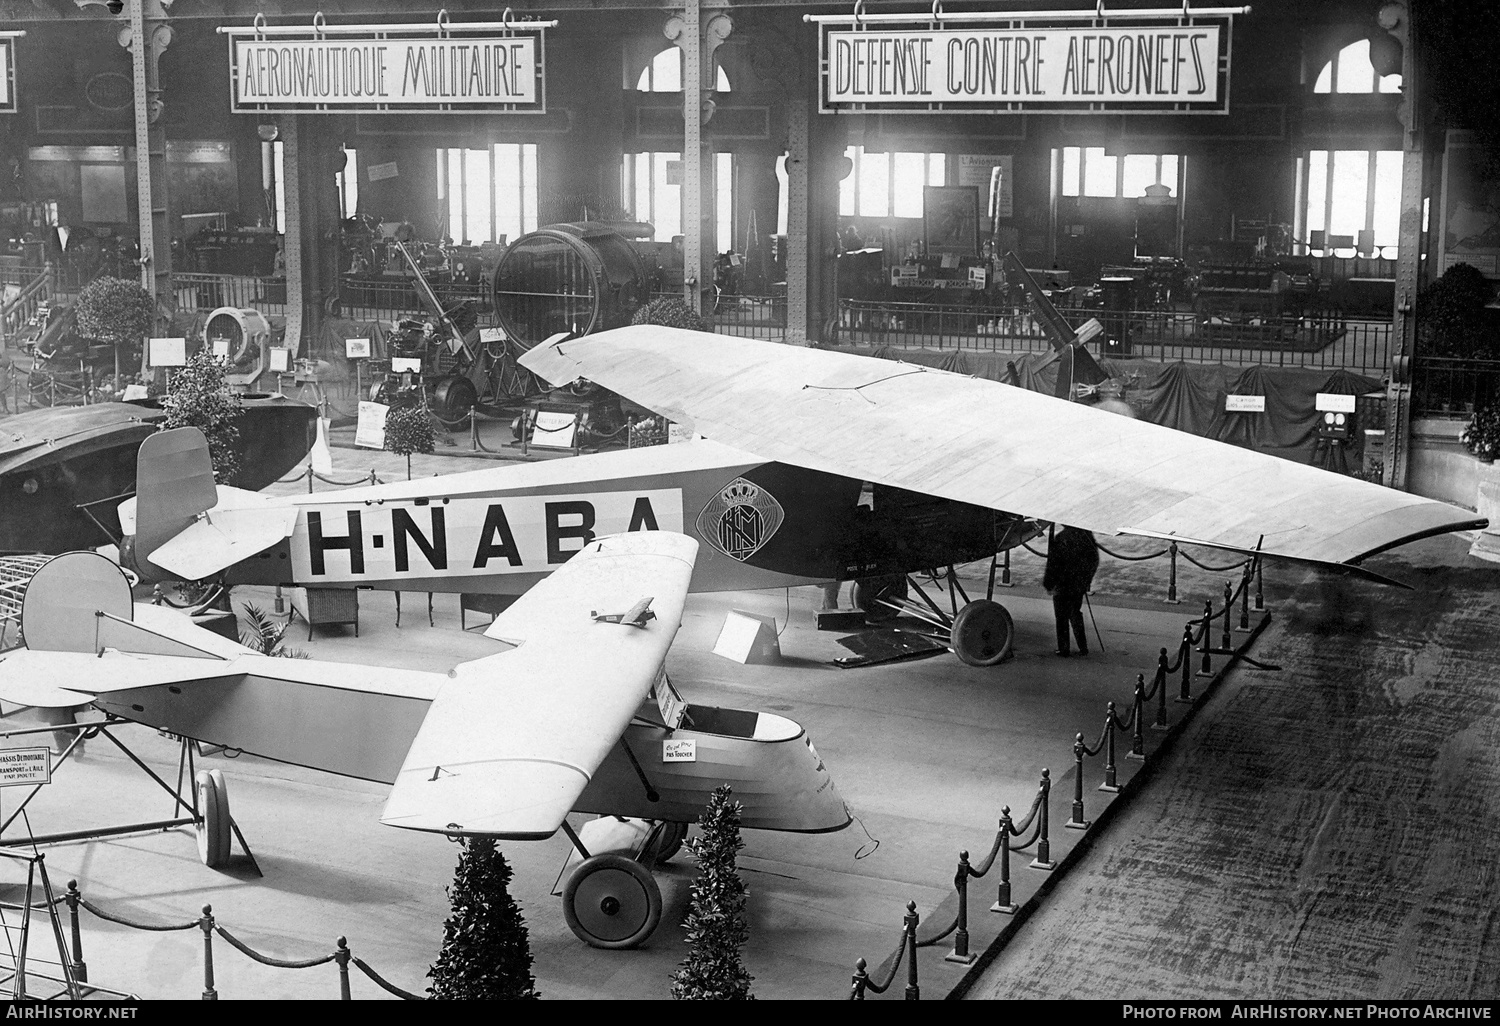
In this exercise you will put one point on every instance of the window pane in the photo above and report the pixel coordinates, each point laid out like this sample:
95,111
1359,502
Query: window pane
666,71
455,193
724,202
874,172
1317,191
528,188
937,169
1099,172
666,199
1070,170
643,211
1169,171
846,186
1140,171
1325,79
507,190
1351,171
1387,222
279,155
721,81
1390,83
477,193
783,191
1355,73
909,179
349,182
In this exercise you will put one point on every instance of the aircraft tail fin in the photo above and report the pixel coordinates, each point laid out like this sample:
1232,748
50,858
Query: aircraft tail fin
174,482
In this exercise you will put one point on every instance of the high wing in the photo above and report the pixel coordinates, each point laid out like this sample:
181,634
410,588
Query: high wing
511,740
982,442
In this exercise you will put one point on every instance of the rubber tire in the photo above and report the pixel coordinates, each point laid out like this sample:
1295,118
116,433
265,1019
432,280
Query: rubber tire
868,589
673,833
455,398
213,828
612,878
982,633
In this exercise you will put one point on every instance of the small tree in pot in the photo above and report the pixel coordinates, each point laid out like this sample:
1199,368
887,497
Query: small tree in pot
115,312
486,949
716,926
198,396
408,430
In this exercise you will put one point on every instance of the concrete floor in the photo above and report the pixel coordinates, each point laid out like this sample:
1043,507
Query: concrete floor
925,752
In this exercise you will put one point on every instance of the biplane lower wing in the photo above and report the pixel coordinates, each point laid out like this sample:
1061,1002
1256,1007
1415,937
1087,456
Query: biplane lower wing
982,442
511,740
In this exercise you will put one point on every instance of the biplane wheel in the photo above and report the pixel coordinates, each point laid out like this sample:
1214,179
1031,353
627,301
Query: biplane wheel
611,901
670,843
213,827
982,633
868,593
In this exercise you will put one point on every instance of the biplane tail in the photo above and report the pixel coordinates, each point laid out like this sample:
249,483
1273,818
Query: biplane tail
185,526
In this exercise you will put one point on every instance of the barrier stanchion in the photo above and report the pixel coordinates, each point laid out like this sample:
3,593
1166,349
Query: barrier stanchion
960,952
79,967
1043,860
860,981
1137,735
913,991
1184,694
1226,642
341,956
1260,602
1077,822
1163,671
309,473
1206,669
206,924
1172,575
1003,904
1244,625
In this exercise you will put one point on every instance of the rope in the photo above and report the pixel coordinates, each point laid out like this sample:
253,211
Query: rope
344,484
276,963
900,955
1212,569
298,476
988,860
122,921
1131,559
380,981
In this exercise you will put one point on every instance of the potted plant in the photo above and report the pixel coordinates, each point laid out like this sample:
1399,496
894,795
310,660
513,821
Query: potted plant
1481,435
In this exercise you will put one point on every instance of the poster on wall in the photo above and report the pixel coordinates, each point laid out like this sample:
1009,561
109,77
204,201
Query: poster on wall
999,64
950,219
8,72
444,67
978,170
1469,227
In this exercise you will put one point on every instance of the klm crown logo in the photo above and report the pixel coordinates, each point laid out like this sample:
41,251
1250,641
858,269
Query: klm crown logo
740,519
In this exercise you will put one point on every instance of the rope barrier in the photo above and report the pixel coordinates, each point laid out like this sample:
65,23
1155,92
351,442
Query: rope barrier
340,955
1214,569
275,963
1131,559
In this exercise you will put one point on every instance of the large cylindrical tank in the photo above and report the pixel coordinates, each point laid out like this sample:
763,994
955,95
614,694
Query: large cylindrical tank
577,278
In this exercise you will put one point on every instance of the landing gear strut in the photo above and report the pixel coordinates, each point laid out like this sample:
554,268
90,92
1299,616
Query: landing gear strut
610,899
980,632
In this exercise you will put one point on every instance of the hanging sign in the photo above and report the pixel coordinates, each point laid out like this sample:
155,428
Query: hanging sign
1178,65
1244,404
8,71
440,67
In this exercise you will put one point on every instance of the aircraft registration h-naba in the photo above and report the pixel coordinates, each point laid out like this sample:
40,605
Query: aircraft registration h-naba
574,715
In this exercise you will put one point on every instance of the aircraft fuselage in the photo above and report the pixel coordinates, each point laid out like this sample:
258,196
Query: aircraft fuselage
760,524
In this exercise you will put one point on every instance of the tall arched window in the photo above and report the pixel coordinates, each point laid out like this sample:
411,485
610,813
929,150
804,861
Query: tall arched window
664,74
1350,71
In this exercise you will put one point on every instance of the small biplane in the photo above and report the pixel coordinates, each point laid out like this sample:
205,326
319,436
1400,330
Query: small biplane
574,715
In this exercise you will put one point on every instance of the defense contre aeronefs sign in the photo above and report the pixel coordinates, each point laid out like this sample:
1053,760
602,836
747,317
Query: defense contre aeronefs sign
370,71
1146,69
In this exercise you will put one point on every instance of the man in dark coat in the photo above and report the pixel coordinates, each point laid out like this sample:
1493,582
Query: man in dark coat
1072,558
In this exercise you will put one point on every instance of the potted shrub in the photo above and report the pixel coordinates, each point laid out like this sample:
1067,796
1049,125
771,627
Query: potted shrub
1481,435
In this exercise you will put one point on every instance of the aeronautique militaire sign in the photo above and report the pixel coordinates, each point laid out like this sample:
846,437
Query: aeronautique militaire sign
394,68
1139,68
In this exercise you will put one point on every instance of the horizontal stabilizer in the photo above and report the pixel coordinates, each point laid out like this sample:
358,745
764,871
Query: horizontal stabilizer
511,741
242,524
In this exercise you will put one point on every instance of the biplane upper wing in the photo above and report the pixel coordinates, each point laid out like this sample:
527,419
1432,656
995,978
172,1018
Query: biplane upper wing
982,442
511,740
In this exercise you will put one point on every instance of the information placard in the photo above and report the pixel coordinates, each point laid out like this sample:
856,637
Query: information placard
1244,404
168,352
281,360
1333,402
369,432
357,348
25,766
406,365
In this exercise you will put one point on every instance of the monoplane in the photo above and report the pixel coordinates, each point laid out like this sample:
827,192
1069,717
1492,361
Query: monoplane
574,714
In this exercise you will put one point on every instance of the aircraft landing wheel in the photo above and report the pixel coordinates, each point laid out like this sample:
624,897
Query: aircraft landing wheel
868,591
982,633
611,901
213,827
672,836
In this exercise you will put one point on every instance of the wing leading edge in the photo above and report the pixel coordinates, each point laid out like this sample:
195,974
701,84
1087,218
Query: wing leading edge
981,442
511,740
